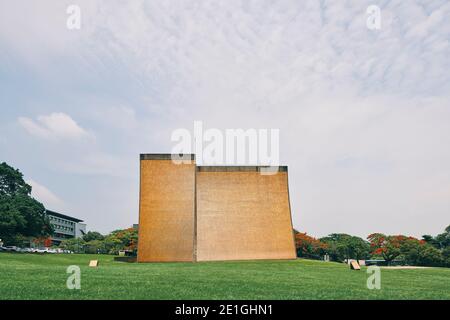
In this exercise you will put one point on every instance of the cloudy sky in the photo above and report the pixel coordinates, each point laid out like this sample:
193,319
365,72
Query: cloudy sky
364,115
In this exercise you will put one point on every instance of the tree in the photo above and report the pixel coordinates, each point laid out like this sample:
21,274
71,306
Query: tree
442,245
11,181
419,252
76,245
308,246
430,240
343,246
93,235
94,242
42,242
127,237
443,240
21,216
387,247
446,256
413,251
112,245
95,246
430,256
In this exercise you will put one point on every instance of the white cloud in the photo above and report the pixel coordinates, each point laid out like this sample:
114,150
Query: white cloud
56,126
44,195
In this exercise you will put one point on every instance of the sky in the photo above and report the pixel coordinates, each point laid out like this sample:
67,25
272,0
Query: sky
363,113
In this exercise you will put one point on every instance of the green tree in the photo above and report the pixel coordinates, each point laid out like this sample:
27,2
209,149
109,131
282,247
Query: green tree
430,240
94,242
76,245
95,246
443,239
93,235
11,181
446,256
343,246
430,256
112,245
420,253
21,216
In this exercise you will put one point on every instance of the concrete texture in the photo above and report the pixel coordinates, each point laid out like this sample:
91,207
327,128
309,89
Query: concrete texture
243,215
166,211
206,213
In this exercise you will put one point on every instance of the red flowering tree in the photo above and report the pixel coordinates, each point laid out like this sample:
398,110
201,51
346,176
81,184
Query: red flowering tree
308,246
42,242
385,246
390,247
128,238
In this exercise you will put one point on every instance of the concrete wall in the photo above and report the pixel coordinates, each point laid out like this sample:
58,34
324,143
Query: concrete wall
166,210
190,213
243,215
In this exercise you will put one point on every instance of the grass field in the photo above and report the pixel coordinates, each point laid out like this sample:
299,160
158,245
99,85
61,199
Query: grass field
30,276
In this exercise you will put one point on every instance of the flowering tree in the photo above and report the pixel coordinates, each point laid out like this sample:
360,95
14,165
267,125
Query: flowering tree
390,247
126,238
385,246
308,246
42,242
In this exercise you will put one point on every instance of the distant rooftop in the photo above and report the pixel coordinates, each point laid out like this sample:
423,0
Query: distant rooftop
218,168
63,216
166,156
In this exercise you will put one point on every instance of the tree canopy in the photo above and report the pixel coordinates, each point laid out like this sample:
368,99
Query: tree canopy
95,242
93,235
341,246
308,246
21,216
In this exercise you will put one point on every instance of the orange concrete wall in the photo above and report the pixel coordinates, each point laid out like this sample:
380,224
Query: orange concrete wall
166,211
243,215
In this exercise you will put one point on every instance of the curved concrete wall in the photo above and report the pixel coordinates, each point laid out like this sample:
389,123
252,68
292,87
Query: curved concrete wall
243,215
190,213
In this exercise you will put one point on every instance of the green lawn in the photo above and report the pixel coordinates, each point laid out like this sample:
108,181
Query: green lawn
30,276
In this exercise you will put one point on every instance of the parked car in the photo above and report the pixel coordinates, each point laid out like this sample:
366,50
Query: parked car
26,250
2,249
12,248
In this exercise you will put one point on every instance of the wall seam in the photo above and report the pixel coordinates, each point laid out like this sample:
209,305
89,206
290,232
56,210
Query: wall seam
195,215
139,219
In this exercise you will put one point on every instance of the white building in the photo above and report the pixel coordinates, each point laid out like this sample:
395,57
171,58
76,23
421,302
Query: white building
65,227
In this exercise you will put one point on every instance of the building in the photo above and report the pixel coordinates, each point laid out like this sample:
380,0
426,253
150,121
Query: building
65,227
205,213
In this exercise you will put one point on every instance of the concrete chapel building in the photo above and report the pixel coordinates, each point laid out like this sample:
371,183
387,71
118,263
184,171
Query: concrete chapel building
205,213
